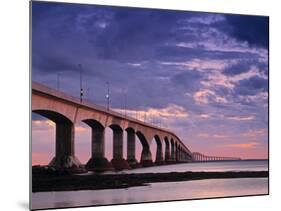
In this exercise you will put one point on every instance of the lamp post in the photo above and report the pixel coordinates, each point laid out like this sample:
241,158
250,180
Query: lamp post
125,105
81,88
107,95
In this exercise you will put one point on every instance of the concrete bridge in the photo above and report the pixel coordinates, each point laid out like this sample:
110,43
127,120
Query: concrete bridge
199,157
66,111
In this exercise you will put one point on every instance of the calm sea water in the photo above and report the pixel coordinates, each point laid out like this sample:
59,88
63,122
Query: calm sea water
207,188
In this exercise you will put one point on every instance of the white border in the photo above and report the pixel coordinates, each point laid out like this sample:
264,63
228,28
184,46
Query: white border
14,89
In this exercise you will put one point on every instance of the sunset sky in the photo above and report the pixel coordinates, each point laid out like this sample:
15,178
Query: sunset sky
202,75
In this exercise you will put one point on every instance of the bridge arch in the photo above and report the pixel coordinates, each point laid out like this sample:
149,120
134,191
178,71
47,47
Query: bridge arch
53,116
64,155
146,157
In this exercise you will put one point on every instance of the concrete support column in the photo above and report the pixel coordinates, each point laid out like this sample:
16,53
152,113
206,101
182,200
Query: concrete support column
146,157
97,161
97,142
177,153
159,154
131,148
181,155
118,162
117,144
64,158
64,139
167,152
173,153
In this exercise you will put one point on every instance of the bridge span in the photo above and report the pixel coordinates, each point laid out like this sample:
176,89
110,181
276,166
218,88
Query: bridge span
199,157
66,111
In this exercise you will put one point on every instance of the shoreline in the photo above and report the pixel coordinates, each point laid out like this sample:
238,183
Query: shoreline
45,182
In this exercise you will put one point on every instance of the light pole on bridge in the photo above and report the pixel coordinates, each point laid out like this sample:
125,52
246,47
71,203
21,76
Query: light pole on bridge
107,95
81,87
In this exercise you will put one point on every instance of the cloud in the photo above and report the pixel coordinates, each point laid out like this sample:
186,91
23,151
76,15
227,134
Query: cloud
251,86
252,29
237,68
206,96
80,129
135,64
248,145
203,135
41,125
206,19
233,80
240,118
198,64
260,97
204,116
220,136
172,111
255,133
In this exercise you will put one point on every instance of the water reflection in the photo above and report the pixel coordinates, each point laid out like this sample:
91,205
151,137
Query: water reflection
154,192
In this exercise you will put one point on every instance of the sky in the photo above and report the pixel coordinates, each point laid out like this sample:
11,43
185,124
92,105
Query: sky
202,75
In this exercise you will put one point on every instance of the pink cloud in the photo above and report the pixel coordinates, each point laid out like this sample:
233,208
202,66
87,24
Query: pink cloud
206,95
243,145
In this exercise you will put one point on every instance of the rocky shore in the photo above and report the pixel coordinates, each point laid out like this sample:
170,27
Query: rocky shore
47,180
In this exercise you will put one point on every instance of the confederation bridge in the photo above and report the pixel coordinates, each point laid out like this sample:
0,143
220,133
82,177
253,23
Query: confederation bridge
66,111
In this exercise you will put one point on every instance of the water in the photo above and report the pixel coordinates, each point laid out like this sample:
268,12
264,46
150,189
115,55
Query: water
207,188
257,165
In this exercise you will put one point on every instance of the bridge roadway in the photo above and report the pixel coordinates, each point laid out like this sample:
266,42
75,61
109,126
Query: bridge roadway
66,111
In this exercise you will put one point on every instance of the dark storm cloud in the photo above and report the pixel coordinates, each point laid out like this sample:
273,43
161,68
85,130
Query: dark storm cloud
252,86
239,67
134,34
189,80
252,29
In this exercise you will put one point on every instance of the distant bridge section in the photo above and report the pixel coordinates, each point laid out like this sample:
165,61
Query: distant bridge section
199,157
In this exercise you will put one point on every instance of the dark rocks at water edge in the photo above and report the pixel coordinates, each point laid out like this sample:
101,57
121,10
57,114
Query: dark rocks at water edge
51,181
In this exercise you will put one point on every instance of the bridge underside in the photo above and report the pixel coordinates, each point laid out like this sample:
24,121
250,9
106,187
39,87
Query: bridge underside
65,158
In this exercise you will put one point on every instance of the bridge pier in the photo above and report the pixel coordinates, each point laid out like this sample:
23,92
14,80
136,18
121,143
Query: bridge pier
118,162
159,156
176,153
131,148
173,152
159,152
167,151
97,162
64,158
146,157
